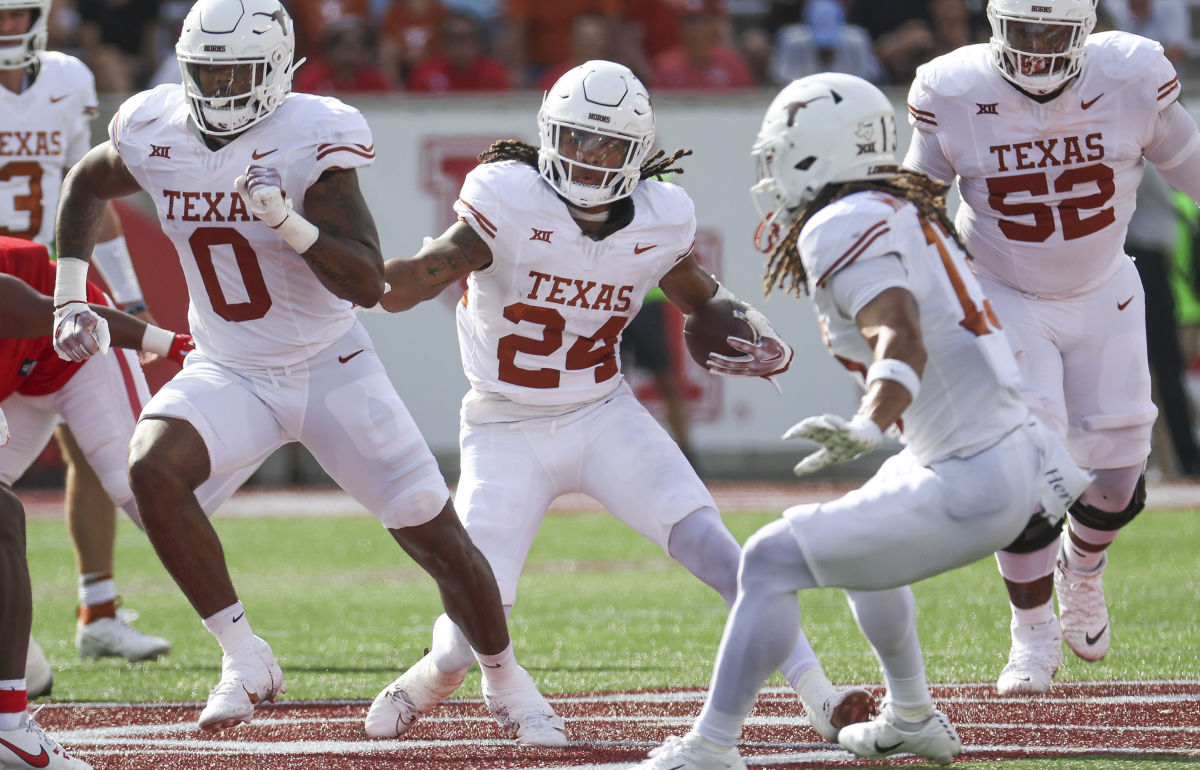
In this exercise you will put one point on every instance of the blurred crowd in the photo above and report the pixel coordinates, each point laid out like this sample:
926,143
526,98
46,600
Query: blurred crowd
356,46
380,46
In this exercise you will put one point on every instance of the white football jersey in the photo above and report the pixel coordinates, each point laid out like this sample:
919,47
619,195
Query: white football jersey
1047,189
867,242
44,130
541,326
255,302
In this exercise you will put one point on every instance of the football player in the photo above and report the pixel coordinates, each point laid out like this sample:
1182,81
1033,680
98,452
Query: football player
273,279
48,100
100,399
559,245
1045,129
873,247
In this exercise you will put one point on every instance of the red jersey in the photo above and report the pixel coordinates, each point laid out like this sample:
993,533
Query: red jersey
30,365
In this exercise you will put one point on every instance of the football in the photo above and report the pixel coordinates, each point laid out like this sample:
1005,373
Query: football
709,325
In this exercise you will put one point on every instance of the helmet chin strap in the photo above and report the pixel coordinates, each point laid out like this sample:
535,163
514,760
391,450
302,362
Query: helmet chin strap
587,216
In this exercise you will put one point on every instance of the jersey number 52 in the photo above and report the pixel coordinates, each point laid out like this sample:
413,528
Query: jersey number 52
1037,184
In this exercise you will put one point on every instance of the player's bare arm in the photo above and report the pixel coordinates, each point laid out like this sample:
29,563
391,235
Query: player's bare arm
440,262
28,313
890,323
688,285
346,257
100,176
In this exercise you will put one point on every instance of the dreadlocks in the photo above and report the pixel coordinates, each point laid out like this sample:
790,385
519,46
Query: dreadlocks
514,149
785,269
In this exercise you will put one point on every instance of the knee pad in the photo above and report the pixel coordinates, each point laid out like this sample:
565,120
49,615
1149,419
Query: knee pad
1038,534
1108,521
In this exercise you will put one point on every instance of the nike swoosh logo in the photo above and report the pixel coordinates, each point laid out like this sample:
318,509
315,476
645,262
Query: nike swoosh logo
886,749
344,359
57,99
239,617
1084,105
638,249
1122,306
260,155
33,760
491,665
1093,639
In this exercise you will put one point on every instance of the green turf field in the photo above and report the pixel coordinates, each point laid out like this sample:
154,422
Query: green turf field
600,609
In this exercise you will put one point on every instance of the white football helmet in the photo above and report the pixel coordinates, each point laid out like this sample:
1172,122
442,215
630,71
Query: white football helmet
596,128
236,59
820,129
1038,45
19,51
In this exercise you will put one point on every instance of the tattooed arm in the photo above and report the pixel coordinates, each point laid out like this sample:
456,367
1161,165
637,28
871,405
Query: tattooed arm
346,257
90,183
441,262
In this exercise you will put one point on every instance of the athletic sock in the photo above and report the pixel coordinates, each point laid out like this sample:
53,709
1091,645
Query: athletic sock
231,628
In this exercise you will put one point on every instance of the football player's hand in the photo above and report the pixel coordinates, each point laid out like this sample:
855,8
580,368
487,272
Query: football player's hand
840,440
769,356
261,188
79,333
180,347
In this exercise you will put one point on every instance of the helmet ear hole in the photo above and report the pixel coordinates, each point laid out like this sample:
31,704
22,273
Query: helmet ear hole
807,163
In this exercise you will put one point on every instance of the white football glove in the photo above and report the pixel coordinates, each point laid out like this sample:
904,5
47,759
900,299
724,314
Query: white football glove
261,188
79,333
770,356
840,440
3,428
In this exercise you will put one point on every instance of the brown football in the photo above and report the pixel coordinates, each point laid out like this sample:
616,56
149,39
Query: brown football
708,326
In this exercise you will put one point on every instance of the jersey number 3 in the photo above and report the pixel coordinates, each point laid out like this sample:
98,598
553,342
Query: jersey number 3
598,351
1074,224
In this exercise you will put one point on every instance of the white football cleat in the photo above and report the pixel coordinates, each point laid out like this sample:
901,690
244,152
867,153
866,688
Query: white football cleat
28,747
248,678
115,637
1033,659
39,677
523,713
935,739
690,753
417,692
1082,607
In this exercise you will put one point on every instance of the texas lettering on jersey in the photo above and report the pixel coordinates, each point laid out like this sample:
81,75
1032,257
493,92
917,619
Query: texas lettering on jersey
205,207
555,288
1048,152
30,144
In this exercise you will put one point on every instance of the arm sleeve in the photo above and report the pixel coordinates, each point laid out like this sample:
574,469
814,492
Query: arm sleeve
1174,149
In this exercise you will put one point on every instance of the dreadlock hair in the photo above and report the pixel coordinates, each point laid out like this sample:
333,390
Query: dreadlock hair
514,149
785,269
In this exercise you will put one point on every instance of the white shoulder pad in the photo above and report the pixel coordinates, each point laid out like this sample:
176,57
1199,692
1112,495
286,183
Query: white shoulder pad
492,192
851,229
953,74
1123,56
143,108
339,132
669,203
65,68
